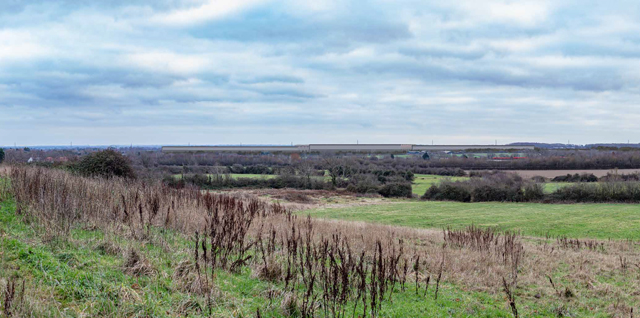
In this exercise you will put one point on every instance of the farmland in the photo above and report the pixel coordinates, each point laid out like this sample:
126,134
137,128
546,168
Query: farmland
602,221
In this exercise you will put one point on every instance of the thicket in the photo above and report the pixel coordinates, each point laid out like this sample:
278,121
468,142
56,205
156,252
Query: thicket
225,181
254,169
107,164
387,186
611,177
616,191
584,177
512,188
492,187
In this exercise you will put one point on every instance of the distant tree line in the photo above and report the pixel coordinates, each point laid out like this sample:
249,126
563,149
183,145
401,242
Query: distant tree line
145,161
452,166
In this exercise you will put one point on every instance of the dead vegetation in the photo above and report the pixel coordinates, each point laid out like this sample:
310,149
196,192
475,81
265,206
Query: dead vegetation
12,296
325,267
137,265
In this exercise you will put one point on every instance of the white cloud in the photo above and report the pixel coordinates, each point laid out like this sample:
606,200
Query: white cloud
168,62
213,9
20,45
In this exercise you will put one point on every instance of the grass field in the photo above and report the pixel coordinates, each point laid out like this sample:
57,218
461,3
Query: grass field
83,275
617,221
89,271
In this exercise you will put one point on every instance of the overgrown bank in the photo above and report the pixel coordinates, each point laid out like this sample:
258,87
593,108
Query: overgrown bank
300,266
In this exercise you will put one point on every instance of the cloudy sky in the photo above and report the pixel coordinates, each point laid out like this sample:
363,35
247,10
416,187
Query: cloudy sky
276,72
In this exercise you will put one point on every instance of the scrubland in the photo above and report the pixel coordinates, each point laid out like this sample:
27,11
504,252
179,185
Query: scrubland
75,246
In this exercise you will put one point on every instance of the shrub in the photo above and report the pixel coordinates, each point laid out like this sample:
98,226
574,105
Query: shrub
600,192
486,192
1,155
539,179
448,191
396,189
221,181
533,192
491,187
610,177
585,177
107,164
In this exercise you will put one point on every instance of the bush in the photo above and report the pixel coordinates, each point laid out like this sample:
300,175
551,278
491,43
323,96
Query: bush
492,187
539,179
221,181
533,192
396,190
611,177
585,177
1,155
448,191
487,192
107,164
601,192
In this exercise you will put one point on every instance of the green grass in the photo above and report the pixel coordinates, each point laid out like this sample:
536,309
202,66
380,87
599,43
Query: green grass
617,221
422,182
72,277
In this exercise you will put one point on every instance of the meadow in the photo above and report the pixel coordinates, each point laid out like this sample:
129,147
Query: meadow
602,221
75,246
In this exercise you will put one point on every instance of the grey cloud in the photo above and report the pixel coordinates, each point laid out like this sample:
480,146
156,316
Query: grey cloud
388,70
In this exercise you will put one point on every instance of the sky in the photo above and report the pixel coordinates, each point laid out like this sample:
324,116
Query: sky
163,72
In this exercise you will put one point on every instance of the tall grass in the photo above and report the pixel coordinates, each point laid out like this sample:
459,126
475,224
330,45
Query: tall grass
322,268
318,269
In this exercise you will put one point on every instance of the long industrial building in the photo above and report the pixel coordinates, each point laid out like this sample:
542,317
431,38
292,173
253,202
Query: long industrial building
339,148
